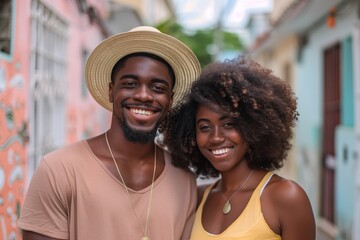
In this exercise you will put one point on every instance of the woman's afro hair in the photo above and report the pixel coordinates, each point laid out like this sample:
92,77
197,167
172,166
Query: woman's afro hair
262,106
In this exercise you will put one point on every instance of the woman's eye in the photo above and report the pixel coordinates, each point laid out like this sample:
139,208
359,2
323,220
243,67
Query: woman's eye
204,128
229,125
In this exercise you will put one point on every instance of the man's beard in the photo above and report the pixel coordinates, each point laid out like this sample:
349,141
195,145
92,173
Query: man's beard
133,135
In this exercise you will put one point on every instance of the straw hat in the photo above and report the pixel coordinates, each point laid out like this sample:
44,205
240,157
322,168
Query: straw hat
140,39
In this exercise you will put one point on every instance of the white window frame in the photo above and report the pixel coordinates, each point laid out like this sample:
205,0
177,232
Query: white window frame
356,51
48,83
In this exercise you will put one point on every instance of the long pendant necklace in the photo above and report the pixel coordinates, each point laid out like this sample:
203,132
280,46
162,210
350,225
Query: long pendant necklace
145,237
227,205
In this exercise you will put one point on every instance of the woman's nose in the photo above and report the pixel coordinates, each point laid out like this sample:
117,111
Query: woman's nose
217,136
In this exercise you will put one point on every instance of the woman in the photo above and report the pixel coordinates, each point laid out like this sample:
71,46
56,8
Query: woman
237,122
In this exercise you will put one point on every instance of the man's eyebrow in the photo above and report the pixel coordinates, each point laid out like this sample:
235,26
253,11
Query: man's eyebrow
129,75
160,80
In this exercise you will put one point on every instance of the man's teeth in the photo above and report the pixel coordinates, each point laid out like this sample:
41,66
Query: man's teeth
141,112
220,151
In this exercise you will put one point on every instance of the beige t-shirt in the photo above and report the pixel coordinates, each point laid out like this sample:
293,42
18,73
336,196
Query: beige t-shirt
73,195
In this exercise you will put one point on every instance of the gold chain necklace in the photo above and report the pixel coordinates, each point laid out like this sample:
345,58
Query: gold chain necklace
145,237
227,205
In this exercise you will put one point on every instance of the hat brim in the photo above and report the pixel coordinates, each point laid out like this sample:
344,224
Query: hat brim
100,63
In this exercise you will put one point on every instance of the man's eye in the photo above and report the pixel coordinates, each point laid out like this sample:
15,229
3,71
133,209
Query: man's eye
159,88
129,84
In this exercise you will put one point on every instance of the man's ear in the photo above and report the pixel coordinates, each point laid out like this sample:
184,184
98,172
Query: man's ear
111,95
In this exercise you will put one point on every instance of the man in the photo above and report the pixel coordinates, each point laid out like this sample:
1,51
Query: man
120,185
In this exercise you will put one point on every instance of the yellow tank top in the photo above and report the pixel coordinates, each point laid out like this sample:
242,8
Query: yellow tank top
250,225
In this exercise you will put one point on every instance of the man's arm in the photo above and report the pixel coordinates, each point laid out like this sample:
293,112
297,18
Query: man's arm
44,213
27,235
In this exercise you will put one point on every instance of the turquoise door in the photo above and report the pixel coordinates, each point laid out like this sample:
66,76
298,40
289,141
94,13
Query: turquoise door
345,147
345,181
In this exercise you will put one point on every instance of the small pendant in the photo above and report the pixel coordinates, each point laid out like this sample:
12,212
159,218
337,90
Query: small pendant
227,208
145,238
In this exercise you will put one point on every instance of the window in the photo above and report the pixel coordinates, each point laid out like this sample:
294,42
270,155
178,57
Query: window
5,26
48,83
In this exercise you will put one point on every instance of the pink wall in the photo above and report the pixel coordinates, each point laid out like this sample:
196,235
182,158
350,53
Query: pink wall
83,113
84,116
14,75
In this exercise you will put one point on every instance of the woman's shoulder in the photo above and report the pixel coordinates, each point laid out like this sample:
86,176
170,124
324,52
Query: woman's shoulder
286,206
285,192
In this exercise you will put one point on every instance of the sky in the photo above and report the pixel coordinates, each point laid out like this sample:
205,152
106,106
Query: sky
196,14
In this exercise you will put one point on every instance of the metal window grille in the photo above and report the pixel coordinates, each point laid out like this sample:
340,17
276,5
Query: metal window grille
48,84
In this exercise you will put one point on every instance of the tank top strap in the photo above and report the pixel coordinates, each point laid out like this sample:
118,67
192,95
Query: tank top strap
207,191
259,189
252,216
254,205
267,177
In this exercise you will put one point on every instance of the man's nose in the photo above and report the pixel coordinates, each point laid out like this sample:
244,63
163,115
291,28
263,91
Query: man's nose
144,94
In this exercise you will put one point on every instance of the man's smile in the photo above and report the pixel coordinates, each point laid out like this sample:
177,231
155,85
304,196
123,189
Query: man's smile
141,111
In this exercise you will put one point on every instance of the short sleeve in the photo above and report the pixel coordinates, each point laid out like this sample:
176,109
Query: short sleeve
45,210
191,210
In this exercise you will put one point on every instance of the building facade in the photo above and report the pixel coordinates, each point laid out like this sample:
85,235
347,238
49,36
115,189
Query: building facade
44,103
321,42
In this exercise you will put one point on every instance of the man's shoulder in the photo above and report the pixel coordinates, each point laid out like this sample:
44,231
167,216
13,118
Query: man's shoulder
69,147
184,172
69,151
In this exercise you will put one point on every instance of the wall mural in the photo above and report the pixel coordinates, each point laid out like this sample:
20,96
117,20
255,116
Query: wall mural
13,139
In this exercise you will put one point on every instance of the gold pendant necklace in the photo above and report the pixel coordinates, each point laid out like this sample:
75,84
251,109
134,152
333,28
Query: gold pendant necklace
227,205
145,237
